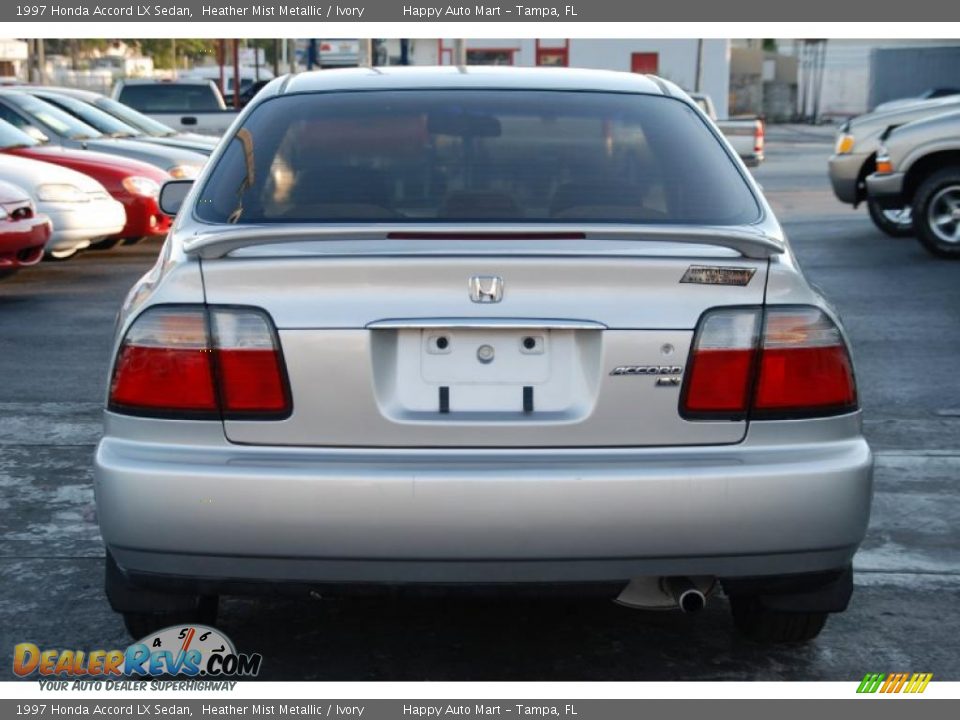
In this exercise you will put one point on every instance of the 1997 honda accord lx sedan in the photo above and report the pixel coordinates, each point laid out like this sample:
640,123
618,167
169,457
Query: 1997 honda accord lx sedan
480,327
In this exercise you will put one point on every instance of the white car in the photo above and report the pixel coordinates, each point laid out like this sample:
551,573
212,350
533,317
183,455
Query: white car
81,209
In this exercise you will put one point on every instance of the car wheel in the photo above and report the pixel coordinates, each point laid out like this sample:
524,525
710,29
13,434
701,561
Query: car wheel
57,255
895,223
936,212
105,244
763,625
141,624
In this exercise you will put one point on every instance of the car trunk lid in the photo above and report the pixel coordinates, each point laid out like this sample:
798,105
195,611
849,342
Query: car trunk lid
540,347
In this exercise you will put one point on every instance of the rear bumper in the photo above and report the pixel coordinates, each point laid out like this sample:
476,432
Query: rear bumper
228,513
887,190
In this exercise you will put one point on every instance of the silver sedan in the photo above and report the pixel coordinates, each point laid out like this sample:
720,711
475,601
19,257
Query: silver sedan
480,326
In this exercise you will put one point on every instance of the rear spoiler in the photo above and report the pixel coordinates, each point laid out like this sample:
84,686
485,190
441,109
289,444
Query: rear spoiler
749,242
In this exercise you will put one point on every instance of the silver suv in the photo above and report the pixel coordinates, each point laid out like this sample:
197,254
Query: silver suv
855,158
480,327
918,166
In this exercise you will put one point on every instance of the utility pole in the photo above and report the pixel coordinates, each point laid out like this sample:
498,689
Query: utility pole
41,62
365,53
173,53
459,51
698,83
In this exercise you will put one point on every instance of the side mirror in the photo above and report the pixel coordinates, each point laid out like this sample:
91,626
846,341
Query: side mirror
172,195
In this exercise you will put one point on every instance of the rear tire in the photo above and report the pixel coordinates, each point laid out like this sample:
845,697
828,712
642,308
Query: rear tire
936,213
895,223
762,625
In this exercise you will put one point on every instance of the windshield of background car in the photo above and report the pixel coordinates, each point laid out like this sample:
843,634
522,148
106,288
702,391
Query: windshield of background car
104,122
476,155
52,118
133,118
174,97
12,137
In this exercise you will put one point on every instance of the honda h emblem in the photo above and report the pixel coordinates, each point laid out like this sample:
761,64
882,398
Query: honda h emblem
486,288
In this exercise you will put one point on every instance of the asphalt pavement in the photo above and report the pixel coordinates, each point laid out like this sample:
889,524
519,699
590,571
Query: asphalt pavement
901,306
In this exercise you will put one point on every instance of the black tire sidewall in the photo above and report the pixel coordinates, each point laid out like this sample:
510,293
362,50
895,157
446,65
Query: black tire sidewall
921,204
883,224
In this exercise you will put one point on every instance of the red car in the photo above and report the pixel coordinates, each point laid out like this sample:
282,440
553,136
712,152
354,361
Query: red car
23,232
131,182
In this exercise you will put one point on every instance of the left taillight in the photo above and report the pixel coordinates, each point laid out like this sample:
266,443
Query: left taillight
201,363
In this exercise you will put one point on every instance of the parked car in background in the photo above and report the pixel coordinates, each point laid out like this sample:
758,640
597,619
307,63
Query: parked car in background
203,144
187,105
134,184
249,77
746,135
918,166
931,94
855,157
500,326
80,208
48,123
111,125
23,231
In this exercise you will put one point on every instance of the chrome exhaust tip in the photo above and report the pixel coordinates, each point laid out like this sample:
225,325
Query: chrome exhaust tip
685,594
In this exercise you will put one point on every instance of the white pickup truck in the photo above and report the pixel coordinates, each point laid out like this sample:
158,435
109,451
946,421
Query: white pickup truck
189,105
746,135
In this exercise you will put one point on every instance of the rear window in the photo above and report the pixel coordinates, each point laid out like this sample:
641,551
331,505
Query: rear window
176,97
476,155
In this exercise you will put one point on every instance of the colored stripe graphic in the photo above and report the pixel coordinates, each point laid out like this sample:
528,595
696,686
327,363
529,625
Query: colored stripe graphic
892,683
870,683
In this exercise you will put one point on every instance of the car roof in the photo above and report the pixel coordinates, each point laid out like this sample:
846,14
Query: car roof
78,93
159,81
482,76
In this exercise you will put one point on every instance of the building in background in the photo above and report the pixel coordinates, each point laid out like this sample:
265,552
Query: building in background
763,81
681,61
847,86
13,60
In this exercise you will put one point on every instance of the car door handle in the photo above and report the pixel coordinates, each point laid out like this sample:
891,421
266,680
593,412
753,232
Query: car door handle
188,120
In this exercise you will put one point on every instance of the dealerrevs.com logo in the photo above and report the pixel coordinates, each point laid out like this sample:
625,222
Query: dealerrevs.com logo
189,651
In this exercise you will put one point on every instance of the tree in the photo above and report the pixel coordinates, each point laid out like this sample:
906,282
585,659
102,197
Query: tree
160,50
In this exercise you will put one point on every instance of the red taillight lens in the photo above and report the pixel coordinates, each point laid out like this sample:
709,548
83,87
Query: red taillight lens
164,364
721,369
168,365
796,366
804,365
249,366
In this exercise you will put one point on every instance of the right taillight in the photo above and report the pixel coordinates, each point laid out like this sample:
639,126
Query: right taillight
202,363
772,363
